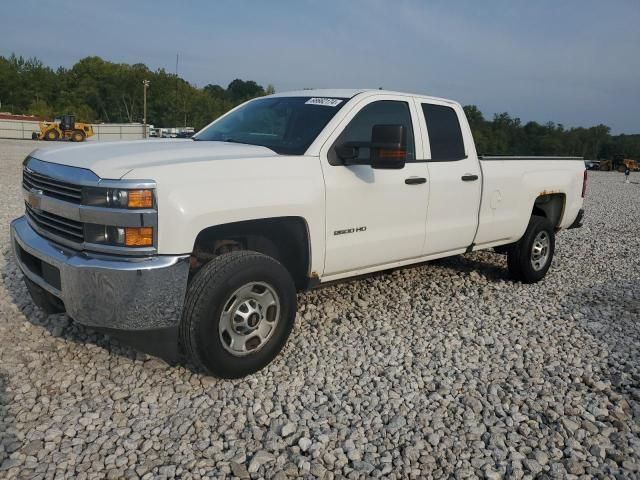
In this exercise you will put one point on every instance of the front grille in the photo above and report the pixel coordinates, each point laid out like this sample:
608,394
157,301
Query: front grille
56,225
51,187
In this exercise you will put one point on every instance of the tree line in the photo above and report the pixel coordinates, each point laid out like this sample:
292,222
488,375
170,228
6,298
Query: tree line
96,90
506,135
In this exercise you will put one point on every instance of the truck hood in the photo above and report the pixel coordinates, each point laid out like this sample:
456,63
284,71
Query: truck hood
113,160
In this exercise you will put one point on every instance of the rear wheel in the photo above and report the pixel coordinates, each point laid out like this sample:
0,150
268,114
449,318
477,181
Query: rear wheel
239,311
52,135
77,136
530,257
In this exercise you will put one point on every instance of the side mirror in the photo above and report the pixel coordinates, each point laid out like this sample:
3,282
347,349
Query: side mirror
346,152
388,146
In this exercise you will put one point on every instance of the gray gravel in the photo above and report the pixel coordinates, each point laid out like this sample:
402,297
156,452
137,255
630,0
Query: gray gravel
443,370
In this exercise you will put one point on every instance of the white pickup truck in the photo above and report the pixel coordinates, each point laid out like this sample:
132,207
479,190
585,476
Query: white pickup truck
200,245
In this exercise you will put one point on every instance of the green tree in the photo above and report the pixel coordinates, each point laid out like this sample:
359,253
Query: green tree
215,91
241,90
41,108
506,135
96,90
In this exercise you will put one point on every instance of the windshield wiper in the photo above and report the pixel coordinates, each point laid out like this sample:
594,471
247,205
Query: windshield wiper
228,140
233,140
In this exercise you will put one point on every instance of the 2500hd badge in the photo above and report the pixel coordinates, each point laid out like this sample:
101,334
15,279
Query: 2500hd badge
350,230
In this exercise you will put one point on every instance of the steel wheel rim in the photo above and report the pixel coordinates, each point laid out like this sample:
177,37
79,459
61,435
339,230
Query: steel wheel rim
540,251
249,318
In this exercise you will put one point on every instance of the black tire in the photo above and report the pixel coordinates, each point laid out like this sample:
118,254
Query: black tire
521,258
210,289
77,136
51,135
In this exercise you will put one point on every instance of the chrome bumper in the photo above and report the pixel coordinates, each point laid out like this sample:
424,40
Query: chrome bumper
104,291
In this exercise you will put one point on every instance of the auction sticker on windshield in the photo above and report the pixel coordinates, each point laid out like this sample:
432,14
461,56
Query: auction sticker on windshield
325,102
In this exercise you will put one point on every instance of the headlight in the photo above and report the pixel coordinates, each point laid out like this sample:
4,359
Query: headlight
118,236
117,198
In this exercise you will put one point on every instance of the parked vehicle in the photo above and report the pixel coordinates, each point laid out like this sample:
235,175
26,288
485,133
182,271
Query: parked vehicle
619,164
632,165
185,134
176,132
592,164
63,127
204,242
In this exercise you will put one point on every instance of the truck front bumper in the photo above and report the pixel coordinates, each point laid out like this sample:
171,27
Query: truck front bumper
139,299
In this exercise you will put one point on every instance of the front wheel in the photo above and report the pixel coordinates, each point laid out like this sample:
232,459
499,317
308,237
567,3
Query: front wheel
52,135
239,311
530,257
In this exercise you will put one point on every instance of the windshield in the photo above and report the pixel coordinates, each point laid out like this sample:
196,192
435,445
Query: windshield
286,125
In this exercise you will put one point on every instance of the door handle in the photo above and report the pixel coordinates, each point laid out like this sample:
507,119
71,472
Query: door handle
415,180
467,177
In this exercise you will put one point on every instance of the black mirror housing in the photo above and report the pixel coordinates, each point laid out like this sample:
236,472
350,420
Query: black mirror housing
346,152
349,152
388,146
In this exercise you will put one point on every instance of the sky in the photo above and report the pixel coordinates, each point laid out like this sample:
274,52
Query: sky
575,62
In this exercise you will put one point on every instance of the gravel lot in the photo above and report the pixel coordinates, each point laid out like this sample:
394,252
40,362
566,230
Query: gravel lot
443,370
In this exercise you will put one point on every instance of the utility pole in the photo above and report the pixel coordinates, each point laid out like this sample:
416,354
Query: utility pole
175,112
145,84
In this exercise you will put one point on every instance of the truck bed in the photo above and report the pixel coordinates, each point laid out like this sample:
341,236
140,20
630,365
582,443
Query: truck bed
511,184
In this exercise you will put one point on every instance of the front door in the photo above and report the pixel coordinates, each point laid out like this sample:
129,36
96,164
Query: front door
374,216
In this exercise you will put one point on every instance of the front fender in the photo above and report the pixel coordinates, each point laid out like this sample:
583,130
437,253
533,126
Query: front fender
193,197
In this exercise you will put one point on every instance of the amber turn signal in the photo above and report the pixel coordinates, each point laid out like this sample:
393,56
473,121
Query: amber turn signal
140,199
383,153
138,236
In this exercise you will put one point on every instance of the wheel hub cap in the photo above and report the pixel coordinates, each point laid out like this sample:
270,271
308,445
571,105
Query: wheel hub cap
540,251
249,318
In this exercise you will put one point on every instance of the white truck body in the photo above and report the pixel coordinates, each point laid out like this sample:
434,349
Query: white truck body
201,184
357,219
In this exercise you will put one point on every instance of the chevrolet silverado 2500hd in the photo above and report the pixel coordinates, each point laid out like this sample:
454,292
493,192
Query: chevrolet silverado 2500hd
203,243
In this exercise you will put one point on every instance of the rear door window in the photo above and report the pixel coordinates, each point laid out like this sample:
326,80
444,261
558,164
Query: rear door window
445,135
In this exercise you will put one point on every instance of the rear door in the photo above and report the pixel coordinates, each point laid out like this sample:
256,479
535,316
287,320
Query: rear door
455,181
374,216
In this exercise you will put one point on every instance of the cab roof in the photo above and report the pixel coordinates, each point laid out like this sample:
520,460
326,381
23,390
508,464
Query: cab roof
350,93
322,92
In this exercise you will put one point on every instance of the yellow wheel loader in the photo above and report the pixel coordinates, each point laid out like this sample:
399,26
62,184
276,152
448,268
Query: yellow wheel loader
64,127
619,164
